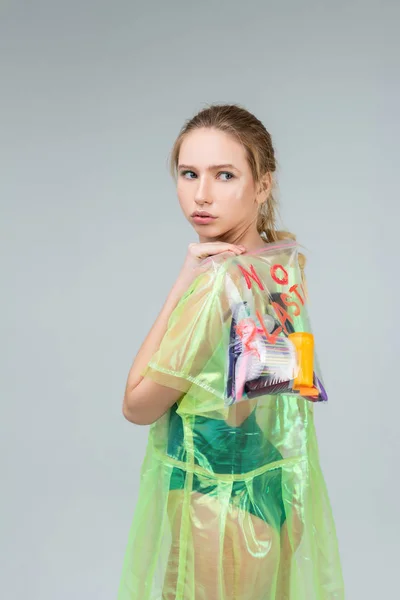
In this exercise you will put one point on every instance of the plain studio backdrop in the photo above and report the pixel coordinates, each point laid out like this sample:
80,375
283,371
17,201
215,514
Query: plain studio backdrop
93,94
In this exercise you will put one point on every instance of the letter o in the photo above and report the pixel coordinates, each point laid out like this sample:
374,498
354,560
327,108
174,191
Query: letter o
284,280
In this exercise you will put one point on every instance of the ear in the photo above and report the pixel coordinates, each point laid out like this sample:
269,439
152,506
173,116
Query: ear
264,188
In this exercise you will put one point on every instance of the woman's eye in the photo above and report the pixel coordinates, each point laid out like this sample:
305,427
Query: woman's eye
226,173
183,173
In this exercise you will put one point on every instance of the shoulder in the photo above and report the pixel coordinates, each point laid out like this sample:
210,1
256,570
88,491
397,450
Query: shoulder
226,274
211,287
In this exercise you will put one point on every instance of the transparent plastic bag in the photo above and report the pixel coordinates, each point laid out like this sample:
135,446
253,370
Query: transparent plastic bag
271,346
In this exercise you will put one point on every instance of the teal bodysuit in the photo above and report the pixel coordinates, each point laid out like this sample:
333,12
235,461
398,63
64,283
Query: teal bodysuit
235,450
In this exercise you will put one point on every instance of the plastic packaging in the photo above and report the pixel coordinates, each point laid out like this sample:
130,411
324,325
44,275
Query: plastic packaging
271,347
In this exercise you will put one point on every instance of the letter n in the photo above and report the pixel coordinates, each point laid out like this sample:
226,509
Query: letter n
252,275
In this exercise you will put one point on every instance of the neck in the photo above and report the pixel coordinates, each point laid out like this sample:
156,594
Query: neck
251,240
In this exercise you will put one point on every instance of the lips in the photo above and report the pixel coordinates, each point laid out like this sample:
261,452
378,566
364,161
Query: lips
203,219
202,214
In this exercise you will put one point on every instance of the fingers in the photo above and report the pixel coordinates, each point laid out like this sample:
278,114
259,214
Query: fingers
235,249
203,250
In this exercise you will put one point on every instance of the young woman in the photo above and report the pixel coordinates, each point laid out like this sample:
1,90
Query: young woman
232,502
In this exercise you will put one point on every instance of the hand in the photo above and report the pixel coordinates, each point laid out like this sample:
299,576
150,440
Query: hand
197,252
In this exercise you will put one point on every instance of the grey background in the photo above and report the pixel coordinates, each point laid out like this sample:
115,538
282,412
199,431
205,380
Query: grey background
92,97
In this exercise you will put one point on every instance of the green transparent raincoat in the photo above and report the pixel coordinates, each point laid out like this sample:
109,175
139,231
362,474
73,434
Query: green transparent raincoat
232,502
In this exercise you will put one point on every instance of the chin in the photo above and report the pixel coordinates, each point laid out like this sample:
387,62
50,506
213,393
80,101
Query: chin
207,236
207,231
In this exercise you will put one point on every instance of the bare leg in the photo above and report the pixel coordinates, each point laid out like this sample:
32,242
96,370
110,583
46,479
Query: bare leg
291,535
175,502
236,562
256,549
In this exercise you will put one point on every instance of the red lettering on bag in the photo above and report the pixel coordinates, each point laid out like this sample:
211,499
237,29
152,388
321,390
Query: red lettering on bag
271,337
273,271
253,275
288,302
294,289
247,330
283,315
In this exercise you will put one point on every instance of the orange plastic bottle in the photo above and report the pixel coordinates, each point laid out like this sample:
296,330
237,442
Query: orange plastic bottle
304,344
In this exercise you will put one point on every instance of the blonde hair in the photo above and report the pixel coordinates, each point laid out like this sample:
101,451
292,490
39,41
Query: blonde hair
257,142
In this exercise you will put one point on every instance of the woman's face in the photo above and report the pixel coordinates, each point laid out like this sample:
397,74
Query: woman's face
228,192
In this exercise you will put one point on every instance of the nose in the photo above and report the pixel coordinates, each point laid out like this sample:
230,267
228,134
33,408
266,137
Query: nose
202,194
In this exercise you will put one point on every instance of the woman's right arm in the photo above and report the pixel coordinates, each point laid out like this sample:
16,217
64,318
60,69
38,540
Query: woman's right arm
145,401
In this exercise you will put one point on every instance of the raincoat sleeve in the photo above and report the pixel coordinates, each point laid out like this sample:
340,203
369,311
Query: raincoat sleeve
192,352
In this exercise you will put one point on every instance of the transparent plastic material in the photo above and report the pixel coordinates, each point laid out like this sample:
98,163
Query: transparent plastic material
271,345
232,502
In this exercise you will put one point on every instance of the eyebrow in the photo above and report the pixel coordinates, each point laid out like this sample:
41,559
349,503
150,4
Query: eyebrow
211,167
